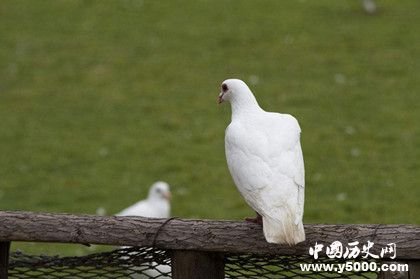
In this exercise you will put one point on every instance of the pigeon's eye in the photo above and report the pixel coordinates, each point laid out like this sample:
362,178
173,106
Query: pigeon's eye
224,87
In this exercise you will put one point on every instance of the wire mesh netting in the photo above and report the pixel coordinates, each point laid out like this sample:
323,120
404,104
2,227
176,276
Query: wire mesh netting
153,263
121,263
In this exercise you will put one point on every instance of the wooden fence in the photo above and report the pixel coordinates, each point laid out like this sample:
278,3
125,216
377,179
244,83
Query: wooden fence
197,245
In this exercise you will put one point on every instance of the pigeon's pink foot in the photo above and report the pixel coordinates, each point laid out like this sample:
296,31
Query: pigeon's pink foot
256,220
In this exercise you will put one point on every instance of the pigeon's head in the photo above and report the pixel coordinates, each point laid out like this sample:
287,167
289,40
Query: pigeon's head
232,89
160,191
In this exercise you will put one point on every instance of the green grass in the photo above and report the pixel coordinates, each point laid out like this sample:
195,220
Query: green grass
98,99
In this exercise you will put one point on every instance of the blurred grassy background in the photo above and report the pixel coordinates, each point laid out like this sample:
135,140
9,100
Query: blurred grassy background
98,99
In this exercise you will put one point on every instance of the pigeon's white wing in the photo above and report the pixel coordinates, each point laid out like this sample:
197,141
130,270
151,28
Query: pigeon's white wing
142,208
148,208
266,163
285,160
299,177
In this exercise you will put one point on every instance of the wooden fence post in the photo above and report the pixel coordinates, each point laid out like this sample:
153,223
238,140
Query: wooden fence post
413,271
4,258
393,274
197,265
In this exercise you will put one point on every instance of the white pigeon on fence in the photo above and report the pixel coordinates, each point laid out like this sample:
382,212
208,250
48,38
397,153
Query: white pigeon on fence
157,204
265,160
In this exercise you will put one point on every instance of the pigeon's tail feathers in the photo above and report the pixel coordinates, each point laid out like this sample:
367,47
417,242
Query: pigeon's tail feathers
283,230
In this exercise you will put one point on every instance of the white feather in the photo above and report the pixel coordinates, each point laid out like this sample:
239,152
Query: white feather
265,160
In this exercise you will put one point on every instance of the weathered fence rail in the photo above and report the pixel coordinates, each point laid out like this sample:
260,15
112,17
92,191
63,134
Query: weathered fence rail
192,238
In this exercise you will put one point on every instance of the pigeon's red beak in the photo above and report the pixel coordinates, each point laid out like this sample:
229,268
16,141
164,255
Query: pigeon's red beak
220,98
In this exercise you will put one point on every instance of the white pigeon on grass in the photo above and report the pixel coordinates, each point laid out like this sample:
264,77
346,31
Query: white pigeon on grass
265,160
157,204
